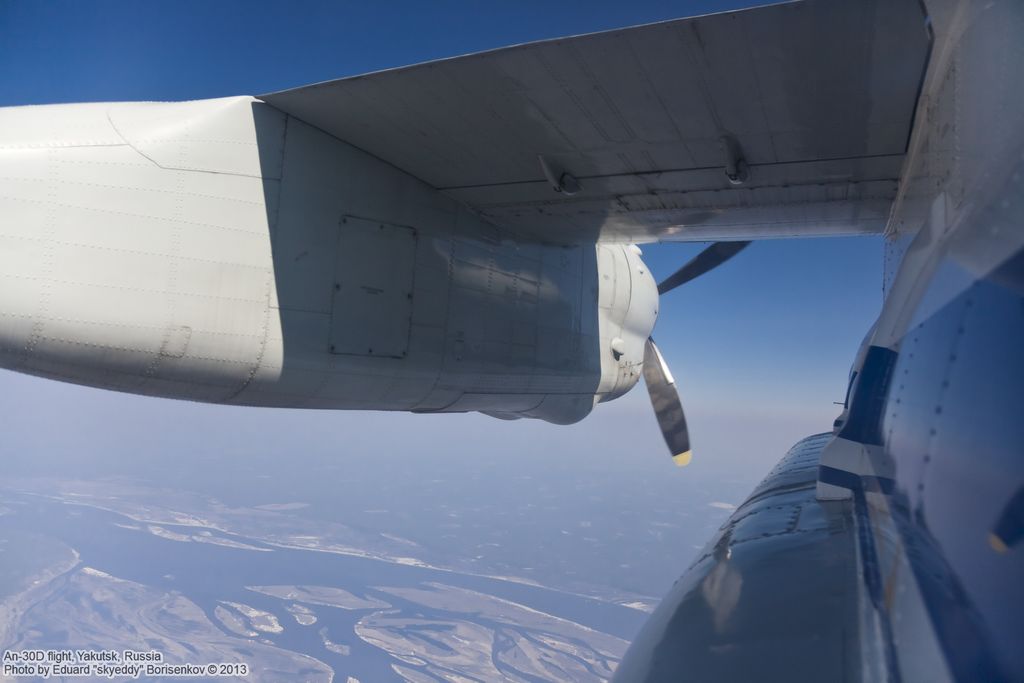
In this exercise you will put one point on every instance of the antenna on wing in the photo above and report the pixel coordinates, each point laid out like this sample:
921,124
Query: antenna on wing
736,169
561,181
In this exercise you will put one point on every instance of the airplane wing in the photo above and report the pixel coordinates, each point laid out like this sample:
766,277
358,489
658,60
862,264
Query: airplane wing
632,134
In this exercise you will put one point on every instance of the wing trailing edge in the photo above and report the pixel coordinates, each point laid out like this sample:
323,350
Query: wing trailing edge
787,120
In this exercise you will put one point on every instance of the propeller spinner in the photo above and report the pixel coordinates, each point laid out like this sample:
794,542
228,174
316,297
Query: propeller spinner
661,386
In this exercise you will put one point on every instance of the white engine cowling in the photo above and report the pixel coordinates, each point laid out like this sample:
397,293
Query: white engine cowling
222,251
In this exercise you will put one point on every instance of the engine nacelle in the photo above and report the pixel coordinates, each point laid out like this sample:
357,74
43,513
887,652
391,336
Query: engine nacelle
221,251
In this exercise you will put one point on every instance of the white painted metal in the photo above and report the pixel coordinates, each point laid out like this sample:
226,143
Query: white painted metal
226,251
192,250
117,272
373,288
817,98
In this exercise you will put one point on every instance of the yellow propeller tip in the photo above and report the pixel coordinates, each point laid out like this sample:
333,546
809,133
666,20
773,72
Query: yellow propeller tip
682,459
997,544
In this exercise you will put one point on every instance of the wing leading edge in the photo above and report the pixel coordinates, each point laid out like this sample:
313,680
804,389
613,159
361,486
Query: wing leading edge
808,105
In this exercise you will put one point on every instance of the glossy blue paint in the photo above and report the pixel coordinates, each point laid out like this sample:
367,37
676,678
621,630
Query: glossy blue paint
954,440
773,593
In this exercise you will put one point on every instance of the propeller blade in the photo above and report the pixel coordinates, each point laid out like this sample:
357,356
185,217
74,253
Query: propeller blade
667,407
712,257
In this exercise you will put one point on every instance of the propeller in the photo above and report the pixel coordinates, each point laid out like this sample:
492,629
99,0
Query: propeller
709,259
661,386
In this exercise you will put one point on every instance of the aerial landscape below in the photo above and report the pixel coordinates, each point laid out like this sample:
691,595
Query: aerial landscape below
335,584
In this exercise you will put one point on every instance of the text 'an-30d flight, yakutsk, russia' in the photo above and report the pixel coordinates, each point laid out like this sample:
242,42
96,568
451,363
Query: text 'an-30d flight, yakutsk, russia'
462,235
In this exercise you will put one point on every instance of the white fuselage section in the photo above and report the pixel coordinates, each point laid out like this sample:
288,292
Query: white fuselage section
221,251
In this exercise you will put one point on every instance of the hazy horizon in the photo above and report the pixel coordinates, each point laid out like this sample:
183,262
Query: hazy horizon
590,523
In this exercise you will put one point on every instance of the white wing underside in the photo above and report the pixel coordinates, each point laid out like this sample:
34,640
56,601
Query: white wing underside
818,98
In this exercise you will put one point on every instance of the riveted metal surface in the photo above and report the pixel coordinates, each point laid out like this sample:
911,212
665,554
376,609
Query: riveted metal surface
775,592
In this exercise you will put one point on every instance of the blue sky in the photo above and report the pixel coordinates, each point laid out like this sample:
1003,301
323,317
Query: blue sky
760,347
189,49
